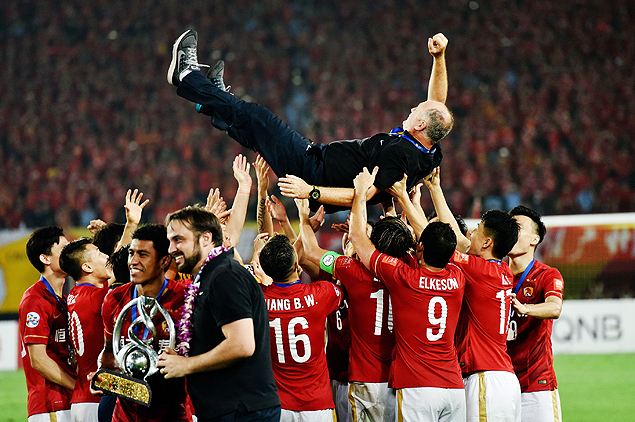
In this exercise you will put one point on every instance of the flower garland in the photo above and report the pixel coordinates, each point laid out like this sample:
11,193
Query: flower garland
184,326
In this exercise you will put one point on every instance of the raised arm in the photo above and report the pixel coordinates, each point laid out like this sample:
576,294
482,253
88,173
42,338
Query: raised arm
433,183
134,208
279,213
294,187
265,224
357,230
312,251
236,220
417,220
438,86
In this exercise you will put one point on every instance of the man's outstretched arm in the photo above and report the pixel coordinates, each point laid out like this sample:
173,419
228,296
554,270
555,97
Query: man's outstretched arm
294,187
438,85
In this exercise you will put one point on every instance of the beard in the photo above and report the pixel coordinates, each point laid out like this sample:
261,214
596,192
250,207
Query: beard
189,262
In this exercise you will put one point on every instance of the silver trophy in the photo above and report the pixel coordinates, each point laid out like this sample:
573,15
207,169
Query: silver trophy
138,358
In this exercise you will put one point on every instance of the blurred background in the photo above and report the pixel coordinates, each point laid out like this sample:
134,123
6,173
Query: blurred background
542,93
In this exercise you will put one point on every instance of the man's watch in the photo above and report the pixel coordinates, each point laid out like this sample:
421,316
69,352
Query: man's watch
314,194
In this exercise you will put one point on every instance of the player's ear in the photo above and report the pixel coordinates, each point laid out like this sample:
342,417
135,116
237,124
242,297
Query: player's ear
45,259
206,238
87,268
165,262
534,241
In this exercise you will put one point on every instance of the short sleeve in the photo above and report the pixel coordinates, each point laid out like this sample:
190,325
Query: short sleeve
332,294
34,315
231,298
554,284
386,268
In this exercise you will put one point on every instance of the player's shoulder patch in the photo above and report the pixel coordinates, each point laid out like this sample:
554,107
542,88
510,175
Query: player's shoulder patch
32,319
460,257
390,260
327,262
558,284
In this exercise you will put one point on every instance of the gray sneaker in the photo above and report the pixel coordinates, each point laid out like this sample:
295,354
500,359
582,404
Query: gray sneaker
215,75
184,59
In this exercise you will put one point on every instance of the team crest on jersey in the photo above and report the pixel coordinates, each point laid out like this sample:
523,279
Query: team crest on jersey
32,319
558,284
528,291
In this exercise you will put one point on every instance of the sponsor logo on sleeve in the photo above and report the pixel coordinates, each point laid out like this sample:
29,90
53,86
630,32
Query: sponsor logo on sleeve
460,257
391,260
32,319
558,284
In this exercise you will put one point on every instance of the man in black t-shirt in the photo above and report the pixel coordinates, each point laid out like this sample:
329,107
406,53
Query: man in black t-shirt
328,169
229,375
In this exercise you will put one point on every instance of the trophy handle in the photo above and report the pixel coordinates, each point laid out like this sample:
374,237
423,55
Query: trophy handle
144,319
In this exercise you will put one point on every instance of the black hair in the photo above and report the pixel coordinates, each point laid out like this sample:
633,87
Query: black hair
539,226
158,234
199,221
41,242
439,243
277,258
107,237
119,263
459,220
503,229
391,236
73,256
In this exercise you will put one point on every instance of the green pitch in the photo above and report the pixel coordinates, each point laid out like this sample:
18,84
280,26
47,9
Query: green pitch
592,388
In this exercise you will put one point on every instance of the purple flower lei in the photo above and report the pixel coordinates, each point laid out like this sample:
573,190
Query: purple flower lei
184,326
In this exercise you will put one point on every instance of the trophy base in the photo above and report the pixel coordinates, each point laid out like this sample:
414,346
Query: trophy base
122,385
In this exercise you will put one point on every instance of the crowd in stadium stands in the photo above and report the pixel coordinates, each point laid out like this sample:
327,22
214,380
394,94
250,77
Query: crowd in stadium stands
542,94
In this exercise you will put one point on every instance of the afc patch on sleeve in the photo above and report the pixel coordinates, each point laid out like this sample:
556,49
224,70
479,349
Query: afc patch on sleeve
558,284
32,319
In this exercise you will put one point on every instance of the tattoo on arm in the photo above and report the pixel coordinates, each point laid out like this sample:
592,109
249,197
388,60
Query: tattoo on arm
261,215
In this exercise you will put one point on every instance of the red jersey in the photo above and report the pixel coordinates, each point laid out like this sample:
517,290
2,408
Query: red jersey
297,314
339,343
481,336
86,331
371,321
338,332
426,312
42,320
168,396
529,343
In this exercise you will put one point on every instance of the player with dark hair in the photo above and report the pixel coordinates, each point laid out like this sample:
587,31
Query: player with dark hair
228,369
327,169
369,313
148,258
83,261
107,237
481,335
537,301
297,314
43,328
426,304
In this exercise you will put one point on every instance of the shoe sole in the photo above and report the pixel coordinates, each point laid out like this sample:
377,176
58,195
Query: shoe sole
175,57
